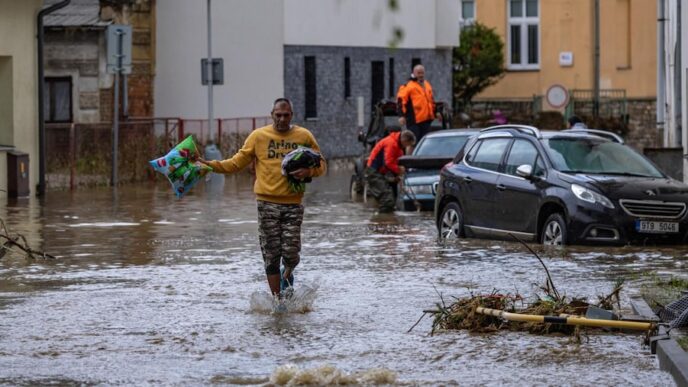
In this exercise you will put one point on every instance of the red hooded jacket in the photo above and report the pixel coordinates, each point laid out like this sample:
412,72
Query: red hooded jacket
385,155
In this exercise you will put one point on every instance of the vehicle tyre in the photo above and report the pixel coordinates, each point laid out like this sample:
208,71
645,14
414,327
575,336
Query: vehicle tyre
450,225
554,231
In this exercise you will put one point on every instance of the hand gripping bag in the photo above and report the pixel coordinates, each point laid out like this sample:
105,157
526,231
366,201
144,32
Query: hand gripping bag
179,167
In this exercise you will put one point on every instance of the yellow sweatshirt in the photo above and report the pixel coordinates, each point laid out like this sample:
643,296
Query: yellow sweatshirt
268,147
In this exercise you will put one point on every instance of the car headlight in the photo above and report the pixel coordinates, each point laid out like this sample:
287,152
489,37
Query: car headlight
420,189
590,196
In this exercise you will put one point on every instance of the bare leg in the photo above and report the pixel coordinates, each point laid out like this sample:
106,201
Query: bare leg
287,272
274,282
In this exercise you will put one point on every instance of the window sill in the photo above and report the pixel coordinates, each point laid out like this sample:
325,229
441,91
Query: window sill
522,70
311,119
623,68
6,148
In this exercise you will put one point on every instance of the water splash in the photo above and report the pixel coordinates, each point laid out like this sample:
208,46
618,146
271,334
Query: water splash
300,302
292,375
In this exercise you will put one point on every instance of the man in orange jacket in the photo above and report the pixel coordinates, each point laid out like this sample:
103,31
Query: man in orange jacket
416,103
383,169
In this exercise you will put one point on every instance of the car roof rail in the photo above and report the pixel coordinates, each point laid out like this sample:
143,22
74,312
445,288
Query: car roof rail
601,133
521,128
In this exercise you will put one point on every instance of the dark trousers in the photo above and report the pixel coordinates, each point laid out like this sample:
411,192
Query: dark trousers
420,129
382,189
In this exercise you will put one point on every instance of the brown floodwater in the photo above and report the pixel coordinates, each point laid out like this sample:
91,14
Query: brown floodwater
150,289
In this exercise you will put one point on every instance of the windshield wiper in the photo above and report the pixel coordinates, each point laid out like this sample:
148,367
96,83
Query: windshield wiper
606,173
624,174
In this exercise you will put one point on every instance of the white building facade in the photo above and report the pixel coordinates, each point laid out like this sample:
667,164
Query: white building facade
322,54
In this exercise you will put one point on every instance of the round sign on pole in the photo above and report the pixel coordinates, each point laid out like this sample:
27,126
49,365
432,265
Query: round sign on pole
557,96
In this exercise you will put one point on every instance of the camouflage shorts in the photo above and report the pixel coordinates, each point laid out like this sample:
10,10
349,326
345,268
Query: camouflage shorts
279,229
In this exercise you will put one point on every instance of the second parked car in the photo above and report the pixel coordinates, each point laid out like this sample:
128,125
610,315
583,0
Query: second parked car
558,187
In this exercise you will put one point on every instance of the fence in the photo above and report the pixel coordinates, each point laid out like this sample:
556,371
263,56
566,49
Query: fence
81,154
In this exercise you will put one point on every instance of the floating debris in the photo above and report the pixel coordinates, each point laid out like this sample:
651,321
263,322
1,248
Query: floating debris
13,242
551,313
292,375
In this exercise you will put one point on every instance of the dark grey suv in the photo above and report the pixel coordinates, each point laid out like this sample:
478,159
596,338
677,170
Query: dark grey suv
558,187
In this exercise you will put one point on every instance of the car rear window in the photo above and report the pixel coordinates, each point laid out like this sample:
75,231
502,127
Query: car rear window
597,156
446,146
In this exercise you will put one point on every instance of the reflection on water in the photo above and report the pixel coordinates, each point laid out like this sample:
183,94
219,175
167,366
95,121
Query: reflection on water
149,289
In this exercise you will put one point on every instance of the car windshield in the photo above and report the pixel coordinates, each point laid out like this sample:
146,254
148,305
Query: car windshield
597,156
445,146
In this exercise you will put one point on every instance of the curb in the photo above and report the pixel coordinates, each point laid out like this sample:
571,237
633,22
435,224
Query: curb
672,358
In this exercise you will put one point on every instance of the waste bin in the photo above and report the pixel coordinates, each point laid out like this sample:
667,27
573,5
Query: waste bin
17,174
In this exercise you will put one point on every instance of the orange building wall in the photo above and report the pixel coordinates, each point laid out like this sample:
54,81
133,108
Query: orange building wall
567,25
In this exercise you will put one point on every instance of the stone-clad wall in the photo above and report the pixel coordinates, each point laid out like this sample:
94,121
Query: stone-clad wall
336,125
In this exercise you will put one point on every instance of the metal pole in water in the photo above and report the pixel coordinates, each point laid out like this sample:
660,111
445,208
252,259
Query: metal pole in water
588,322
115,118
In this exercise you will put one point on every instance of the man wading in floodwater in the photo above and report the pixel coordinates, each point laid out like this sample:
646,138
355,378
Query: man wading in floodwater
280,212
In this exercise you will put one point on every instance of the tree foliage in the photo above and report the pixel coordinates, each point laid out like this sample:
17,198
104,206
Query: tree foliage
478,62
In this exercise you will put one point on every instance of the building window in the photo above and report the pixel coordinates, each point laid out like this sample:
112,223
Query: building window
414,62
391,78
347,77
310,82
524,35
377,82
58,99
467,17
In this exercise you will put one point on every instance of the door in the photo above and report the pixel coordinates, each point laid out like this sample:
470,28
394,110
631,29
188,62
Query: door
479,184
518,199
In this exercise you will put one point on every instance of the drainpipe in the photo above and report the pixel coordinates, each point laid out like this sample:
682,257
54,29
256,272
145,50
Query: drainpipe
596,61
661,92
41,93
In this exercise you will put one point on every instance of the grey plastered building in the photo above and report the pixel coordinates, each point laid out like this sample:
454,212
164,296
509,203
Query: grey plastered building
374,73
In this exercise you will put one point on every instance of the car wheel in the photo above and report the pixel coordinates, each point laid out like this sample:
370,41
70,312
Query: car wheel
451,222
554,231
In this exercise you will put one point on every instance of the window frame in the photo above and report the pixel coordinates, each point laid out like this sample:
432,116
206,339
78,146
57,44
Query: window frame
537,160
479,144
50,94
463,21
523,22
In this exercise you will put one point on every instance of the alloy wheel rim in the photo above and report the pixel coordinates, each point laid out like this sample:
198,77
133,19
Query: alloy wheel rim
553,234
451,224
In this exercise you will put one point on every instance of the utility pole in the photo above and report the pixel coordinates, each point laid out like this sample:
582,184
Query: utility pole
210,75
118,62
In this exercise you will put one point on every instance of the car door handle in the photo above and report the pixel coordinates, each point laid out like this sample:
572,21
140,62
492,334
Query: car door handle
468,179
501,187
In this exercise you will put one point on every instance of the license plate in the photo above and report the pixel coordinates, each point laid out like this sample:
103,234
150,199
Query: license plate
651,226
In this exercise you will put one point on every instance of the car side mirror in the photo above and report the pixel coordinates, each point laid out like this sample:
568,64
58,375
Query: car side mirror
525,171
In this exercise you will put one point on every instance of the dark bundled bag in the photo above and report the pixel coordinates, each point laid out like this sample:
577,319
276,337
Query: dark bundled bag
301,157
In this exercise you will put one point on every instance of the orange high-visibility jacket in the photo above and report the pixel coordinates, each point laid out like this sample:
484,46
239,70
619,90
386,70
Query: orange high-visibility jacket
416,102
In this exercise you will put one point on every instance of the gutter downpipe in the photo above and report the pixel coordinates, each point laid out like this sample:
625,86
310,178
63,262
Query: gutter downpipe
41,93
661,81
596,61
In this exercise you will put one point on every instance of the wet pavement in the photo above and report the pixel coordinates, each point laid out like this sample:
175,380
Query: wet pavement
148,289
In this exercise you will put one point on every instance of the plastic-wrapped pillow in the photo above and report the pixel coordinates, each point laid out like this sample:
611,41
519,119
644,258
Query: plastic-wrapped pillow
301,157
178,167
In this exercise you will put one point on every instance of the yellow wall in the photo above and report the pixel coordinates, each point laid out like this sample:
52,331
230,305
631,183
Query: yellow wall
18,53
567,25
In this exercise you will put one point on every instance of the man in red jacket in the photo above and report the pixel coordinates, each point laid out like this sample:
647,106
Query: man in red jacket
383,170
